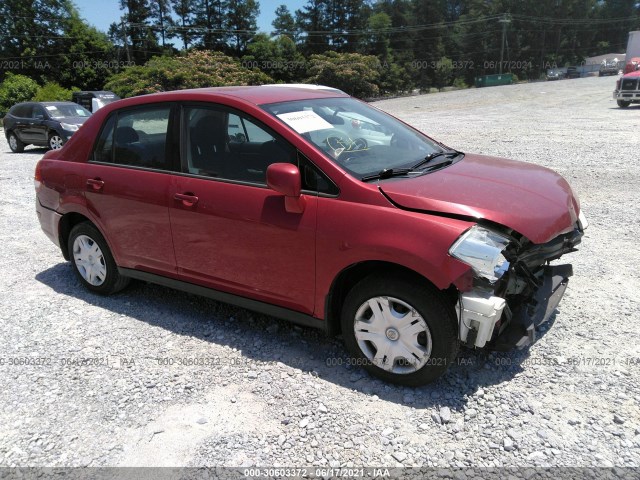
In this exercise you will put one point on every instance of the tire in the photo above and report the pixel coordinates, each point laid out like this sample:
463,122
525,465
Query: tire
623,104
92,260
423,311
55,141
15,144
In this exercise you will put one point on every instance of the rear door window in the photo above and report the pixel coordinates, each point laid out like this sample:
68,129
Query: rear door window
136,137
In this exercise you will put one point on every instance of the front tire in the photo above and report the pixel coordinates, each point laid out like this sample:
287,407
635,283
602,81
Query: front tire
92,260
15,144
55,141
623,103
399,331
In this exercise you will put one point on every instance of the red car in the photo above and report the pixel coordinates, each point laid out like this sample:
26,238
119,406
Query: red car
311,206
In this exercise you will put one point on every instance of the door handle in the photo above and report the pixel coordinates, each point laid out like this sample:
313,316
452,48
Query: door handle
187,199
96,184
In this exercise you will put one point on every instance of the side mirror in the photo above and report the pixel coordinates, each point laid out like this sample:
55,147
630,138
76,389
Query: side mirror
284,178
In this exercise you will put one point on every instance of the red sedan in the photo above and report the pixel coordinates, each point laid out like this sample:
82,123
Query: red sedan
309,205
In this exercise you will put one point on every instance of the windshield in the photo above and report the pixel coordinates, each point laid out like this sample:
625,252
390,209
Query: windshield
361,139
63,111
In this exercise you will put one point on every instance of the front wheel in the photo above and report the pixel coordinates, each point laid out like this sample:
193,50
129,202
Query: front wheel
623,103
92,260
15,144
55,141
399,331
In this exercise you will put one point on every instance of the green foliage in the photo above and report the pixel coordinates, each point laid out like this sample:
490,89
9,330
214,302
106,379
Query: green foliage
277,57
15,89
242,16
443,72
196,69
284,23
52,92
460,83
353,73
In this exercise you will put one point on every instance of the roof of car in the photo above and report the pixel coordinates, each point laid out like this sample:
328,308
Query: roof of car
264,94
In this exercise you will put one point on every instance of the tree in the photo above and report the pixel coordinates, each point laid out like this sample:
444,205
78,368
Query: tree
311,21
137,19
15,89
284,23
194,70
242,23
185,11
345,18
377,42
353,73
209,16
277,57
161,15
90,56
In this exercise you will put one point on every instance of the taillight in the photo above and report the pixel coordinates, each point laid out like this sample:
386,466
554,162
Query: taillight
37,176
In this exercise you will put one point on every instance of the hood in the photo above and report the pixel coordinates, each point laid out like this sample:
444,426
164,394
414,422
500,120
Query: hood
533,200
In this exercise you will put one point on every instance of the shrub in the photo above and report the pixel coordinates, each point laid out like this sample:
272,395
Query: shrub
459,83
196,69
52,92
354,73
15,89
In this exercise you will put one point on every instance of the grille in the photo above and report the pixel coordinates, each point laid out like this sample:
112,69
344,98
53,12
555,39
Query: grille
629,84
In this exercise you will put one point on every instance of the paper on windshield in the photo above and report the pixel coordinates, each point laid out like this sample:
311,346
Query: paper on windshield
305,121
51,107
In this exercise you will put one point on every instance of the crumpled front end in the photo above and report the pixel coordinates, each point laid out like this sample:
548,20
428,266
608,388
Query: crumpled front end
515,288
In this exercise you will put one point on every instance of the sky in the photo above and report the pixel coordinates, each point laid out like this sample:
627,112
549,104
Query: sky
101,13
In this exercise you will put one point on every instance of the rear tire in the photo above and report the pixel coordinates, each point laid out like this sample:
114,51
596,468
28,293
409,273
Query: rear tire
399,331
92,260
623,104
15,144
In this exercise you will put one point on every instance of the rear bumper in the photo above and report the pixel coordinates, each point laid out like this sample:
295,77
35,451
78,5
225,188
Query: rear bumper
49,222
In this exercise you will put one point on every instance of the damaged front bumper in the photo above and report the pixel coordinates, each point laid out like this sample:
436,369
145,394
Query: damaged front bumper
505,315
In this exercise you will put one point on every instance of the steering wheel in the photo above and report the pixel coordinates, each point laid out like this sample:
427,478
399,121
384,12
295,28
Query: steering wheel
359,144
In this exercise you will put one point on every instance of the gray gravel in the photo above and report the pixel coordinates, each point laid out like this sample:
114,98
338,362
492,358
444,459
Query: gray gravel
266,393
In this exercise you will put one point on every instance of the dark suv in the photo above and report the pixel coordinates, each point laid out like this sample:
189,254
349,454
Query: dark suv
45,124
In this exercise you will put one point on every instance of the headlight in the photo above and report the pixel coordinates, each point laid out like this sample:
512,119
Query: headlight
69,127
583,220
481,249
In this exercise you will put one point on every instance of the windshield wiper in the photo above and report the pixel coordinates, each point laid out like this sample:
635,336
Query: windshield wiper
387,173
431,156
396,172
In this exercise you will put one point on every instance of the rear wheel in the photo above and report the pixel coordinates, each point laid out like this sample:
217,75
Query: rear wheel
399,331
55,141
623,103
15,144
92,260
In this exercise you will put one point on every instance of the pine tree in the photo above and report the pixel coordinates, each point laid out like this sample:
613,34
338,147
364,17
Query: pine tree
284,23
137,19
183,26
209,17
161,16
242,23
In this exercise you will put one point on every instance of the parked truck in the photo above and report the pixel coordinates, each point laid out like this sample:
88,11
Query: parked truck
633,52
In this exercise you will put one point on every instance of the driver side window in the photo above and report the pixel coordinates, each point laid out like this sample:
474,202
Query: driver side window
227,145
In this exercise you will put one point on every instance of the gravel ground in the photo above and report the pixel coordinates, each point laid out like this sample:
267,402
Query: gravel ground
96,381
